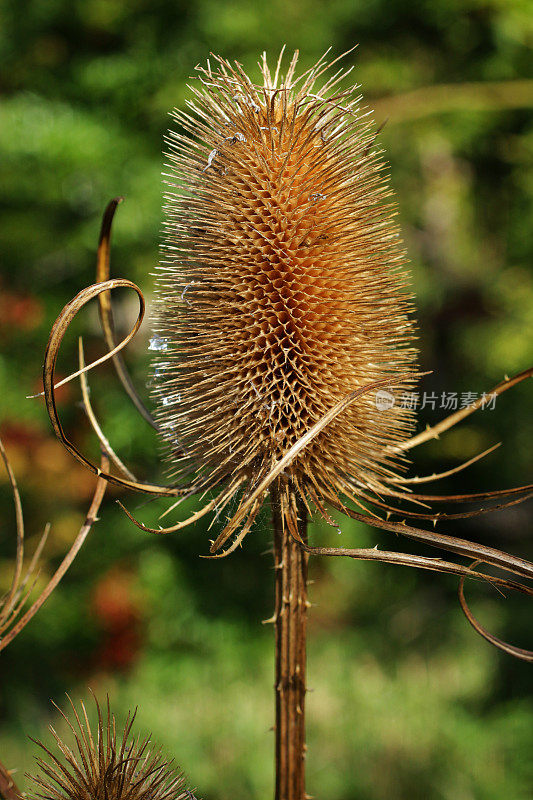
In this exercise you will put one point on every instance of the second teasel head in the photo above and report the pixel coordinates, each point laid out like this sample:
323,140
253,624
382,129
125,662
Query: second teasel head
103,762
282,290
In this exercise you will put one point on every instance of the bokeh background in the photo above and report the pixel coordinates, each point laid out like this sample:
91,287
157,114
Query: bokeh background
407,701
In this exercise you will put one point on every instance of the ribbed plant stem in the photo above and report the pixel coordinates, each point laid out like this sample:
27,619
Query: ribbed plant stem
291,632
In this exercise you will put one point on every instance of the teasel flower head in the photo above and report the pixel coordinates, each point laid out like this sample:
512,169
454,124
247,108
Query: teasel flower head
105,764
281,296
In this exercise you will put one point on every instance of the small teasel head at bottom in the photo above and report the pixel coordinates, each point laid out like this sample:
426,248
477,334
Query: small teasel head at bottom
104,762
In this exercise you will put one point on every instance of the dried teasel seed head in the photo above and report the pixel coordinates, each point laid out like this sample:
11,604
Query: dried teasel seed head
282,290
105,765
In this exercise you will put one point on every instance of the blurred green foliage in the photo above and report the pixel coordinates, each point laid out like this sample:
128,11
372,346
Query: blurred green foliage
406,701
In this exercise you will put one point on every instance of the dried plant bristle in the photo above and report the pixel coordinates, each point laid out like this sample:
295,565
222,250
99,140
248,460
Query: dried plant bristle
282,290
106,765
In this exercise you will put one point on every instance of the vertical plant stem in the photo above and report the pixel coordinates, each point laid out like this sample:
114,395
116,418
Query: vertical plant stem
291,624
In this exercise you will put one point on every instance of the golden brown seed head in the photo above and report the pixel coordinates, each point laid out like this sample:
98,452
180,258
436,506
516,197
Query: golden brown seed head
104,765
282,287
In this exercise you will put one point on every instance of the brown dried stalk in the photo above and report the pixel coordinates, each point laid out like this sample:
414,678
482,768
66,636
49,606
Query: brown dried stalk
12,604
452,97
290,619
281,309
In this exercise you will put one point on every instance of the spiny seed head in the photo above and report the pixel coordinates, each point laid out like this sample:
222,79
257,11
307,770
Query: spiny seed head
105,765
282,288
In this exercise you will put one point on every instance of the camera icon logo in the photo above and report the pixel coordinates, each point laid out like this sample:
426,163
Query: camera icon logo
384,400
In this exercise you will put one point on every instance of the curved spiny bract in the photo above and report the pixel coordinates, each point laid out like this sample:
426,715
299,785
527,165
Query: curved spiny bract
104,764
282,289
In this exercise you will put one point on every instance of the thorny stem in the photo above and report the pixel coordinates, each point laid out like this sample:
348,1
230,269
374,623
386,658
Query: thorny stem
291,623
